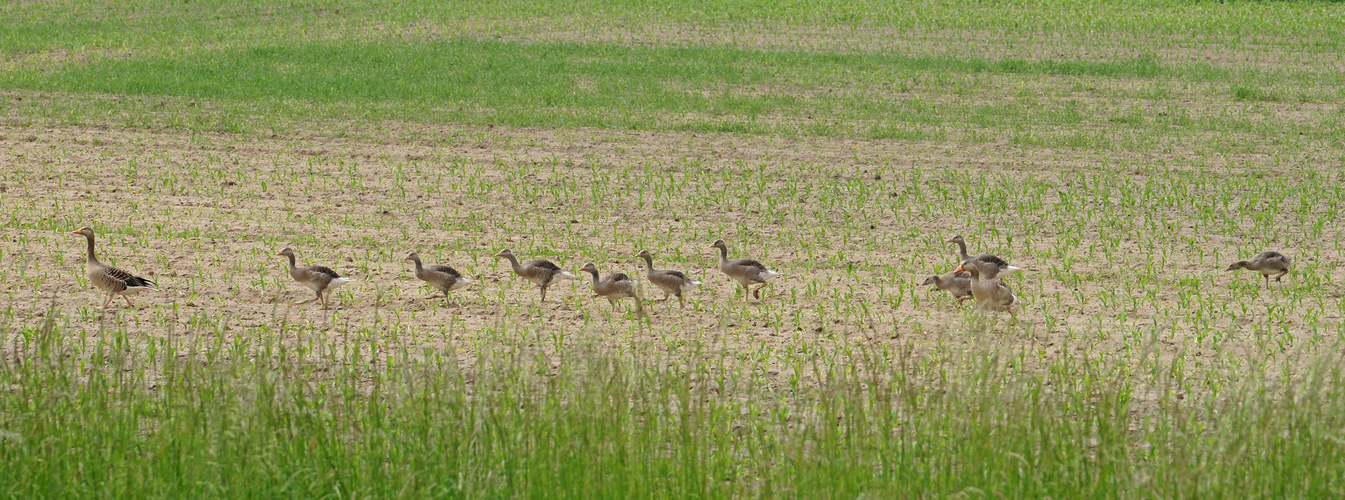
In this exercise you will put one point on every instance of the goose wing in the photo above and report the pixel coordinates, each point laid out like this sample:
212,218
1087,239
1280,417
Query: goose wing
542,264
750,263
127,278
1274,258
992,259
674,274
445,269
324,270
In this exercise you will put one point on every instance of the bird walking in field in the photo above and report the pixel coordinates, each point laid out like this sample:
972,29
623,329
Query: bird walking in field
1269,263
539,271
990,294
321,279
746,272
996,267
614,287
443,278
671,282
955,283
110,279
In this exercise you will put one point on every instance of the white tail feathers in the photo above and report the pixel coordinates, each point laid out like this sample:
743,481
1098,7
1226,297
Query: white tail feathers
766,276
567,274
338,282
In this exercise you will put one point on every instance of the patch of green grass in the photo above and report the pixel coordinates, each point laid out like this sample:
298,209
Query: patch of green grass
1248,93
713,89
188,417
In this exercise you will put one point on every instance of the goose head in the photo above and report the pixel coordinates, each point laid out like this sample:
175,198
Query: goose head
969,266
414,257
504,254
720,245
85,231
287,252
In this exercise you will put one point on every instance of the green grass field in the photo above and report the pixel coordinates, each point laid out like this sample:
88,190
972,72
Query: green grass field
1123,153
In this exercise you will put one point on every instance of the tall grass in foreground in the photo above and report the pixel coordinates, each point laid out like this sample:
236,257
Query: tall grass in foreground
187,416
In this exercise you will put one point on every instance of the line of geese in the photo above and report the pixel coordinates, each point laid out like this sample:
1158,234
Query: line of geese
976,277
544,273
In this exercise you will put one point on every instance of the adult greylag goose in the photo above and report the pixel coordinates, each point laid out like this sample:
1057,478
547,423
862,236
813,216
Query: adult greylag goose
1268,263
321,279
998,266
539,271
614,286
958,284
110,279
443,278
671,282
747,272
990,294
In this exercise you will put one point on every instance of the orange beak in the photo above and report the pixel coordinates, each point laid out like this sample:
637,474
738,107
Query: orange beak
958,270
74,232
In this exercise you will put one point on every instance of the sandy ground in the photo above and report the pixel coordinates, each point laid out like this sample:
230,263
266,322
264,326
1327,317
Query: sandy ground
205,214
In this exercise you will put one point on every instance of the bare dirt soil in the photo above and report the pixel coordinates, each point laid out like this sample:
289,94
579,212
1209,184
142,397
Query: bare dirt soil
204,215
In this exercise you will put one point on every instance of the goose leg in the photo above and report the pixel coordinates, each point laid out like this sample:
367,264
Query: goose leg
108,301
128,301
543,293
681,302
757,293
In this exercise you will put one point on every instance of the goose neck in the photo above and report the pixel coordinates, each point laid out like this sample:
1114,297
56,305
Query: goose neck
92,258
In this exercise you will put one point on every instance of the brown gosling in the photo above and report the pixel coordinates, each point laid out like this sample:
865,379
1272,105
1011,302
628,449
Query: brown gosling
746,272
957,284
443,278
321,279
539,271
115,282
1268,263
671,282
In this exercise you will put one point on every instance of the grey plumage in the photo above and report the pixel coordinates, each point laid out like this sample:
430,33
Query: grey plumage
746,272
615,286
321,279
542,272
673,283
1269,263
990,294
443,278
110,279
957,284
996,265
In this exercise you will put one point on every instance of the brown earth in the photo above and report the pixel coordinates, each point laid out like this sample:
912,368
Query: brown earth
849,224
